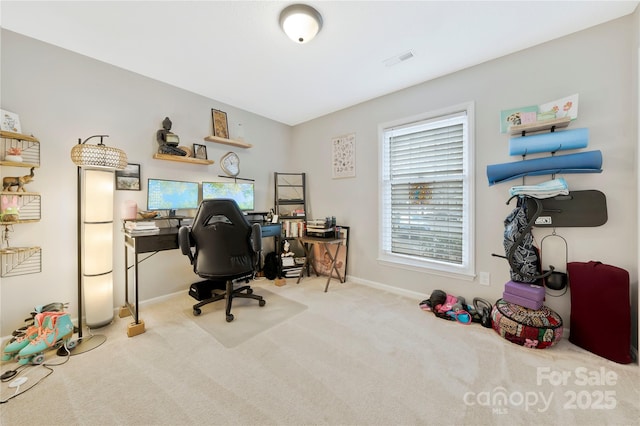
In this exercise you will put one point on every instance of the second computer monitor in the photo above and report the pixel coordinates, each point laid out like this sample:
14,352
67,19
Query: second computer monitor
242,193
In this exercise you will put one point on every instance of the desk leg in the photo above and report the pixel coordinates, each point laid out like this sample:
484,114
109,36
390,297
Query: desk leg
124,310
308,261
333,267
136,327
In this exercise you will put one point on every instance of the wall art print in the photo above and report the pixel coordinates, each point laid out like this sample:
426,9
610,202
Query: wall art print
344,156
129,178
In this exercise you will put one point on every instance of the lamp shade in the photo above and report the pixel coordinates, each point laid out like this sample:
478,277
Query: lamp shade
97,244
100,156
301,23
98,299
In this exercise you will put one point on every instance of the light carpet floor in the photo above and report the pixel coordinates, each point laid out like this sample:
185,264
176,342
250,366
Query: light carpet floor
355,356
248,321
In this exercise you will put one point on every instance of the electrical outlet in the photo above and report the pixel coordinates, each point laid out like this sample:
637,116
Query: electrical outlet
485,278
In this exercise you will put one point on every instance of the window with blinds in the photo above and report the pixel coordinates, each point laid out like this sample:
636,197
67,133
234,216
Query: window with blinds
426,206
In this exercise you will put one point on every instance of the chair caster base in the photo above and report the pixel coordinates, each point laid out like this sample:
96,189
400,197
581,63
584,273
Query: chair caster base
262,302
229,317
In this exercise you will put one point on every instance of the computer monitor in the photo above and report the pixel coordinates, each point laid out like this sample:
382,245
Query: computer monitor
171,195
242,193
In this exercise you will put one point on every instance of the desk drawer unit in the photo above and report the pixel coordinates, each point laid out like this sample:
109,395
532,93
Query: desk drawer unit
149,243
271,230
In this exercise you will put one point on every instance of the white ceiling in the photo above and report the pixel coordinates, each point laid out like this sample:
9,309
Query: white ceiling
234,51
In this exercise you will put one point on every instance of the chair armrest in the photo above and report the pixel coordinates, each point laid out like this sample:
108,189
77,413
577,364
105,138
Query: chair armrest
256,237
184,241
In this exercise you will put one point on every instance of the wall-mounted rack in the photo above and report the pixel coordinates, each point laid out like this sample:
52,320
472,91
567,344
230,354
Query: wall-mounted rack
578,209
20,261
540,126
16,261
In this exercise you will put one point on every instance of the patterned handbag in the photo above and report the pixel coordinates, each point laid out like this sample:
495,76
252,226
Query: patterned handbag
522,254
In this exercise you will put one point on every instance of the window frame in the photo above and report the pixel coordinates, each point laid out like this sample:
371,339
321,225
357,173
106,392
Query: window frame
465,271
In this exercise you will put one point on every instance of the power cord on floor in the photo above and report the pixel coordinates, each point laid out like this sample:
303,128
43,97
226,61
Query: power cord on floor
18,379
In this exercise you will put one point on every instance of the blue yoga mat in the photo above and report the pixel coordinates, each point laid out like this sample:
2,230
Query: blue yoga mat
549,142
583,162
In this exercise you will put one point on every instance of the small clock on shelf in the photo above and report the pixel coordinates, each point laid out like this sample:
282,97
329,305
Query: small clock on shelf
230,164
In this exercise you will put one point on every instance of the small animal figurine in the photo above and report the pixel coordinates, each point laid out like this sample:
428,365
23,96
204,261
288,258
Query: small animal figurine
9,181
9,210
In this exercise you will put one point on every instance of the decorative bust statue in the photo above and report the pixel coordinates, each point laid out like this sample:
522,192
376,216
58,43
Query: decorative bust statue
167,140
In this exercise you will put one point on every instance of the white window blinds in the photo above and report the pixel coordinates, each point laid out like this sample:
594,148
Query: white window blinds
424,194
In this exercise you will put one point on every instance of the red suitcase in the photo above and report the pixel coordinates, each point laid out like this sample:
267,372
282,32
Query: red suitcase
600,310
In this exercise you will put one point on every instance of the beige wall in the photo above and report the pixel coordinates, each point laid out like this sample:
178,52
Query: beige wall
61,97
598,64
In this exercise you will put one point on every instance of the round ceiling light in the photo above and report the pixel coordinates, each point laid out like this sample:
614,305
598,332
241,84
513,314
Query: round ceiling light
300,22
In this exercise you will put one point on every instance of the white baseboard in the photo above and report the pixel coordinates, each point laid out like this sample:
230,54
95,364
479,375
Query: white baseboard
391,289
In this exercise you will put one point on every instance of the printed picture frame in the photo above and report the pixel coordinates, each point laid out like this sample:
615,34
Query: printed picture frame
343,160
129,178
9,121
220,124
200,151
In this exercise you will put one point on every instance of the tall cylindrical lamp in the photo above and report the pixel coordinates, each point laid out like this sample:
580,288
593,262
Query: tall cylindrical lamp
97,233
95,190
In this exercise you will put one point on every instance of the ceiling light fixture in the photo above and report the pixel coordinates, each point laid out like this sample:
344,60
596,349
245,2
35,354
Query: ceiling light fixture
300,22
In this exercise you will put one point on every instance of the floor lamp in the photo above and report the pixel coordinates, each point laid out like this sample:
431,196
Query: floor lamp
95,190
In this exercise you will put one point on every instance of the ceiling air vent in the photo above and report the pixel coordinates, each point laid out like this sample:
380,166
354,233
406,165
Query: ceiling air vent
398,58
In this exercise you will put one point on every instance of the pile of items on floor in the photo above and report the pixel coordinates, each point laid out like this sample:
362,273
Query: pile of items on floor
521,317
49,328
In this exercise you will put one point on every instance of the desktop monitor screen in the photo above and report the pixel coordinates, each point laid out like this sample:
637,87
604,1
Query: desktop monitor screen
242,193
171,195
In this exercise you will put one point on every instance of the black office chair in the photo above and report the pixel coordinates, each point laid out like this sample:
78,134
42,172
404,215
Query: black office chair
223,247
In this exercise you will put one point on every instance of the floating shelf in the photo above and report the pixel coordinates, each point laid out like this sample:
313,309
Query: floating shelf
20,261
18,164
239,144
540,126
29,205
182,159
18,136
29,145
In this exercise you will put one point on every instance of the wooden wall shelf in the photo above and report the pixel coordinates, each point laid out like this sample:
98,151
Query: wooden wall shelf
19,164
20,261
17,136
540,126
239,144
182,159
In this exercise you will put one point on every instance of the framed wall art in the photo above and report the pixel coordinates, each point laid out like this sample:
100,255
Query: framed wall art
9,121
129,178
220,125
200,151
343,156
